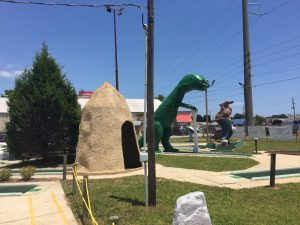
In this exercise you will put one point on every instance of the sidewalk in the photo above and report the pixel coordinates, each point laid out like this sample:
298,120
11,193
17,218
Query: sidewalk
45,207
220,179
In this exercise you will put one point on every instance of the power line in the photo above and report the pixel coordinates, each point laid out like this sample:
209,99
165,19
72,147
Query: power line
77,5
275,45
274,82
276,52
277,59
196,37
276,72
68,4
237,33
279,6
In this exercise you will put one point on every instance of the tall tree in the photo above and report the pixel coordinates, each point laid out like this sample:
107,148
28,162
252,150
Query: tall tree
43,110
259,120
160,97
239,116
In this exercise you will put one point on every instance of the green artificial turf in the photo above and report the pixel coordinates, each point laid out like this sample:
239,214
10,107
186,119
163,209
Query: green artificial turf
250,175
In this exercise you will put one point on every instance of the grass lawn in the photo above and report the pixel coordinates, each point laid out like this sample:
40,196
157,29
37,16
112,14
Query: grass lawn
264,145
249,146
205,163
124,197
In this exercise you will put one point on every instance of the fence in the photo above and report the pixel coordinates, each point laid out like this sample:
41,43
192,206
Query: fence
83,193
272,132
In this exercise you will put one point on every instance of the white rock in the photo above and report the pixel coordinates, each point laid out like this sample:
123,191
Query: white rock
191,209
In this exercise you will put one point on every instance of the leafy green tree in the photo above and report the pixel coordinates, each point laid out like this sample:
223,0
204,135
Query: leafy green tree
283,116
43,110
204,118
239,116
199,118
6,92
160,97
259,120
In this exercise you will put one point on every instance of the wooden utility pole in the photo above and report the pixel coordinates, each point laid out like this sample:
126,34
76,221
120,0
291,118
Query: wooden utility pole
150,107
247,68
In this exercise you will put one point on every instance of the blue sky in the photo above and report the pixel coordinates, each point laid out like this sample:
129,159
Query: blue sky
203,37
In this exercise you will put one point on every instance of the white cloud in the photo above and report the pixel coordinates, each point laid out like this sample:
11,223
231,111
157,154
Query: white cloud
238,103
10,74
11,66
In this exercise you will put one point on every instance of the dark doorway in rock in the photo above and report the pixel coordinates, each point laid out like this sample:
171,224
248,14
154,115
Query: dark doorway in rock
130,147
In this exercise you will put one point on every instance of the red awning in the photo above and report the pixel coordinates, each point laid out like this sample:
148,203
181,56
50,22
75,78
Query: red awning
183,118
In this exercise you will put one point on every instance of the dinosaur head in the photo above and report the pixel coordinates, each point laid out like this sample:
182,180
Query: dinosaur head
193,82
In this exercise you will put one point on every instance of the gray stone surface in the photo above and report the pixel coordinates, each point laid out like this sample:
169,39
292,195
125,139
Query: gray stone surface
191,209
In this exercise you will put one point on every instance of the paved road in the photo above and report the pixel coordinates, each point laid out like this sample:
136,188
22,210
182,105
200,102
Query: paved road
45,207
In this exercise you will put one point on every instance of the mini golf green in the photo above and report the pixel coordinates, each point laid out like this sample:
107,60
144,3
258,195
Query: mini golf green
7,189
39,171
291,172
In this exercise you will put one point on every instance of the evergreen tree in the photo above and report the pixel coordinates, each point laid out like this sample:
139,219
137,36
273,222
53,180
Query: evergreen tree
43,110
239,116
160,97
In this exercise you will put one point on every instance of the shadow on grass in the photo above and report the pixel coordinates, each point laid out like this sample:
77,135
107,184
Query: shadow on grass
132,201
42,163
76,207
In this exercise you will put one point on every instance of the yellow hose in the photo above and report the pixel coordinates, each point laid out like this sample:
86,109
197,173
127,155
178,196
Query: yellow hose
86,205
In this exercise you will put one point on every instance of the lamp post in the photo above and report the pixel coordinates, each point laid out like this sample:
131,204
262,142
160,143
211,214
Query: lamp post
119,11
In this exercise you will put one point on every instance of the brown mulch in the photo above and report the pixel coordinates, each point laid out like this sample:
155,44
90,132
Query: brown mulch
19,180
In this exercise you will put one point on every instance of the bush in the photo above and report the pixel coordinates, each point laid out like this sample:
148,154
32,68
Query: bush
5,174
27,172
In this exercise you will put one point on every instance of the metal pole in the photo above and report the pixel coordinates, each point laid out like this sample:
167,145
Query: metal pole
84,192
256,146
65,167
247,67
206,109
196,147
116,51
145,119
150,107
74,188
272,170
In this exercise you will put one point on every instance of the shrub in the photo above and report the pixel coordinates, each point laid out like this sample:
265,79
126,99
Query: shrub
27,172
5,174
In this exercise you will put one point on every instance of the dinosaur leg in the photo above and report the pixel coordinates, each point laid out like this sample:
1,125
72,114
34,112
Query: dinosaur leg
165,140
159,131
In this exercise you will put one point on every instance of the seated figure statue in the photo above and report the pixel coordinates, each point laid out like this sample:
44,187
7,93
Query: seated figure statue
223,119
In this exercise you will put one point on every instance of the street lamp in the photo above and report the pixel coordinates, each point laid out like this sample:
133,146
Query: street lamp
119,11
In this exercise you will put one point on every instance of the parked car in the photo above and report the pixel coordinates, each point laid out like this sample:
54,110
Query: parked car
179,130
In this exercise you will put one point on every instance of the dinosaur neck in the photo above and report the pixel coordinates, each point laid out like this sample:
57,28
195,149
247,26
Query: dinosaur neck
177,94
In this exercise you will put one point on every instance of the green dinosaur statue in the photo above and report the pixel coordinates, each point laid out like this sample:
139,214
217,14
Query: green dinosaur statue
166,113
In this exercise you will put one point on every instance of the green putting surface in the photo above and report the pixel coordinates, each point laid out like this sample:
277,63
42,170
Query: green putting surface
16,188
279,172
230,147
